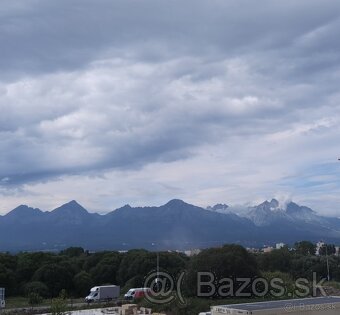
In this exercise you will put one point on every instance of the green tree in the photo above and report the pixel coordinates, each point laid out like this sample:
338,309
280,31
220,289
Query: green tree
304,266
82,283
36,287
7,279
29,263
135,282
105,272
93,260
277,260
8,260
134,263
58,306
63,294
327,249
34,299
55,276
73,251
305,248
287,282
228,261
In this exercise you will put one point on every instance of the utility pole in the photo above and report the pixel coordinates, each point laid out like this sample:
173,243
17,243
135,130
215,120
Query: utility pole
328,273
157,266
328,276
157,281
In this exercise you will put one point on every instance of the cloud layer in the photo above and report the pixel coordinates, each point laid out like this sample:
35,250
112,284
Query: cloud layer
141,101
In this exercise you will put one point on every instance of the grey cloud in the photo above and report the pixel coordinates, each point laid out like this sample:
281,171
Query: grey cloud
112,123
44,36
120,114
88,86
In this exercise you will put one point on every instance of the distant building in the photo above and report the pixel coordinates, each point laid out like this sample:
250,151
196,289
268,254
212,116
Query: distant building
319,245
268,249
253,250
337,250
280,245
329,305
192,252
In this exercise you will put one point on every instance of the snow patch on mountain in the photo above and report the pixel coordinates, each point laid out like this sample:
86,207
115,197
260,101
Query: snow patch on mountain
273,211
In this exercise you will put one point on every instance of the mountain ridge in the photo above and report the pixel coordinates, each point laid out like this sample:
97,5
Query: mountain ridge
174,225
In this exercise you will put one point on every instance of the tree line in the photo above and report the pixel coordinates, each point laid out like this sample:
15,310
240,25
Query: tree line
76,270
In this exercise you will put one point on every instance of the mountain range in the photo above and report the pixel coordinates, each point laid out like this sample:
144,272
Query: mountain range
174,225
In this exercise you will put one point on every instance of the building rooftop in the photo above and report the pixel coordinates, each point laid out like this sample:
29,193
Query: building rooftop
282,304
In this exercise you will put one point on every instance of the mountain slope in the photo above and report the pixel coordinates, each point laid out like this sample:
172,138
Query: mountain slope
290,222
23,213
174,225
177,224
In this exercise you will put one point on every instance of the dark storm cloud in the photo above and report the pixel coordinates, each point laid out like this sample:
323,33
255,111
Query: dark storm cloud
43,36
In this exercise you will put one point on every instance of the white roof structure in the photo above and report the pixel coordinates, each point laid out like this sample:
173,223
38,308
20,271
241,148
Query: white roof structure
319,306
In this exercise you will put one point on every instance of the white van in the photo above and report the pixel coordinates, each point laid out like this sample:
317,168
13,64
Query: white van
136,293
103,293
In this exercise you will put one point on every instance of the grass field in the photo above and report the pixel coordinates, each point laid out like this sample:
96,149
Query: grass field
16,302
22,302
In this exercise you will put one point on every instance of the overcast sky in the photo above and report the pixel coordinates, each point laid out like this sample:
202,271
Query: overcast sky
112,102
